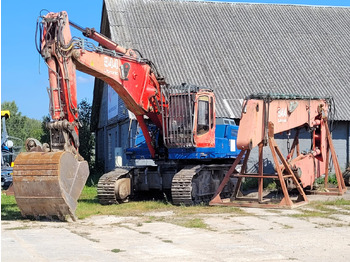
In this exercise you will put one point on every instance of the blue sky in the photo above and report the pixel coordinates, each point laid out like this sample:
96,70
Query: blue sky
24,76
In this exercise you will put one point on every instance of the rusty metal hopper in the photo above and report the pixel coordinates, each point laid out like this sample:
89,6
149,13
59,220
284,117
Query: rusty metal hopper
48,184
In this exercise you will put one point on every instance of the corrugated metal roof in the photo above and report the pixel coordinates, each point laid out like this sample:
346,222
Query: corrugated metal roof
239,49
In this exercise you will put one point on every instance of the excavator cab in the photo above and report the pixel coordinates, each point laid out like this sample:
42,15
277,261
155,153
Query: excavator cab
190,117
204,128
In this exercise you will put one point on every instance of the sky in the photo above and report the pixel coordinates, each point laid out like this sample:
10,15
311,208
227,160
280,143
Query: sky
24,75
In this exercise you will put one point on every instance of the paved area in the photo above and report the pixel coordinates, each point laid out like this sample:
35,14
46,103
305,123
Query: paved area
257,235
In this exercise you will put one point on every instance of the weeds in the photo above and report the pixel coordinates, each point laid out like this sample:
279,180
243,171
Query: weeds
311,213
117,250
191,223
338,202
167,241
252,183
333,225
85,235
17,228
332,179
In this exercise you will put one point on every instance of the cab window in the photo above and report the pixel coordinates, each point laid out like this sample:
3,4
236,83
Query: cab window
203,115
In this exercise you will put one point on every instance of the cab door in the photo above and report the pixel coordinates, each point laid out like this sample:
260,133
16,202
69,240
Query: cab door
204,120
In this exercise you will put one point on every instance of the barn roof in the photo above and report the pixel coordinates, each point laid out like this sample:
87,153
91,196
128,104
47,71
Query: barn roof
239,49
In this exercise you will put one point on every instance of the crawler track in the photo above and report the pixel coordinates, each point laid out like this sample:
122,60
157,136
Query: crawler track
346,176
106,186
192,185
181,187
197,184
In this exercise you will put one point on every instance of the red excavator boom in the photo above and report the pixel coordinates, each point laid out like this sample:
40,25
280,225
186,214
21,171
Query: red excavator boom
49,178
131,76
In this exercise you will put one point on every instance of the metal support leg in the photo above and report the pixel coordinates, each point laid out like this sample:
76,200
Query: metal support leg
261,171
217,198
341,184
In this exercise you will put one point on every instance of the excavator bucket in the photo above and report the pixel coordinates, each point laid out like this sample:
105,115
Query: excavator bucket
48,183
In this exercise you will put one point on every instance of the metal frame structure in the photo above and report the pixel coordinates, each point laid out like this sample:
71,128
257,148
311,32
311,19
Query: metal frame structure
283,173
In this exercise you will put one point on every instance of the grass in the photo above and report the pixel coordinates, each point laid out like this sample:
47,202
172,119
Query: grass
252,183
338,202
311,213
324,209
191,223
88,206
18,228
9,208
182,215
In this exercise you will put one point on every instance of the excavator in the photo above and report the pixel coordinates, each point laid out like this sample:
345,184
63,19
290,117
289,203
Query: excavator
10,147
264,116
6,154
192,149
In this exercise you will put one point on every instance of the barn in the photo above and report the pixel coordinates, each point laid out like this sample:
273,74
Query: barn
234,48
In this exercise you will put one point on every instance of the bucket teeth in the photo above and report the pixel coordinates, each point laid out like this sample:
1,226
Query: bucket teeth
48,184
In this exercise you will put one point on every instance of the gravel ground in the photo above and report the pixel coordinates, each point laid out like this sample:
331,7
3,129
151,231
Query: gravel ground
258,235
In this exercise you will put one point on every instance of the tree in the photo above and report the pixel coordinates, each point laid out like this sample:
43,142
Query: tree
86,138
24,127
45,137
20,126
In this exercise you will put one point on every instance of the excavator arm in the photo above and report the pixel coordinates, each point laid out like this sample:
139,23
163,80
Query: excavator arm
48,179
131,76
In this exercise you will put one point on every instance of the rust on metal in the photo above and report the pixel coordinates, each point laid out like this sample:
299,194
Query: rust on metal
283,171
265,115
48,183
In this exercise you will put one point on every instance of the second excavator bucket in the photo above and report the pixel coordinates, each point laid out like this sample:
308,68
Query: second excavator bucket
48,184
